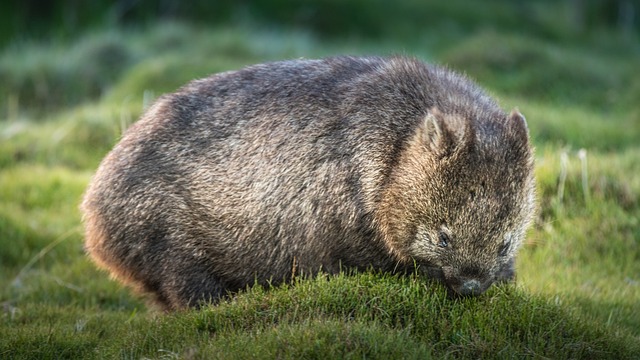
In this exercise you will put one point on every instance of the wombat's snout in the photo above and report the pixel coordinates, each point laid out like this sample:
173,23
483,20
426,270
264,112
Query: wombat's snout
469,287
465,283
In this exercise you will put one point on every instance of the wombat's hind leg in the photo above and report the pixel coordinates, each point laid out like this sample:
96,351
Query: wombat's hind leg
191,287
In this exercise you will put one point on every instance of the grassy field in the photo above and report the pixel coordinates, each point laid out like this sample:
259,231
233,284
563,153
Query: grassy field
63,106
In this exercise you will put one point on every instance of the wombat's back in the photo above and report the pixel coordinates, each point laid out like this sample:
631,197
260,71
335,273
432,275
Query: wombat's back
263,173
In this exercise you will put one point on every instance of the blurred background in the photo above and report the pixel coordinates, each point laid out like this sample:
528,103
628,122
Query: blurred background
583,51
402,20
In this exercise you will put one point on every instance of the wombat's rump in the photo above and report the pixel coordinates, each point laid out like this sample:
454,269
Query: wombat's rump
313,165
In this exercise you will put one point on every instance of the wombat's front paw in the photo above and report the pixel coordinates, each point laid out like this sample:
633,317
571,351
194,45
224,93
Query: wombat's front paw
507,272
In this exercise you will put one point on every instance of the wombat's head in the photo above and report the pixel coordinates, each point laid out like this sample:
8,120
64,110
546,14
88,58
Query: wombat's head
460,199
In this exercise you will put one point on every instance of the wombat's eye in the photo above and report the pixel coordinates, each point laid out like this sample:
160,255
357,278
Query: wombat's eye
443,240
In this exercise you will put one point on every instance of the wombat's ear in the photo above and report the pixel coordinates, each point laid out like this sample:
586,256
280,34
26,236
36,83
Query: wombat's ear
518,125
434,134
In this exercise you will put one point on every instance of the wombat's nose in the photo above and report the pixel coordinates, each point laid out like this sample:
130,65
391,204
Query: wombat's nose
470,287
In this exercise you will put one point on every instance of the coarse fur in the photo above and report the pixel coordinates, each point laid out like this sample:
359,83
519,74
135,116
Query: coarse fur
294,167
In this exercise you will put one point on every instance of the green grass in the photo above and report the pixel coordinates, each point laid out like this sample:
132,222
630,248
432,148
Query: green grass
578,290
356,315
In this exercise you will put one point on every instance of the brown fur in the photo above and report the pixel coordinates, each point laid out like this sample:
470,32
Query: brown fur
313,165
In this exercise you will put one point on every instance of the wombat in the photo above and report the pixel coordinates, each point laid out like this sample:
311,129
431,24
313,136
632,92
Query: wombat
295,167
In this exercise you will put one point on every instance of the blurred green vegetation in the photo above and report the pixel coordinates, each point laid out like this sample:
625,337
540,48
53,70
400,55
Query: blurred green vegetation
574,50
566,20
75,75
